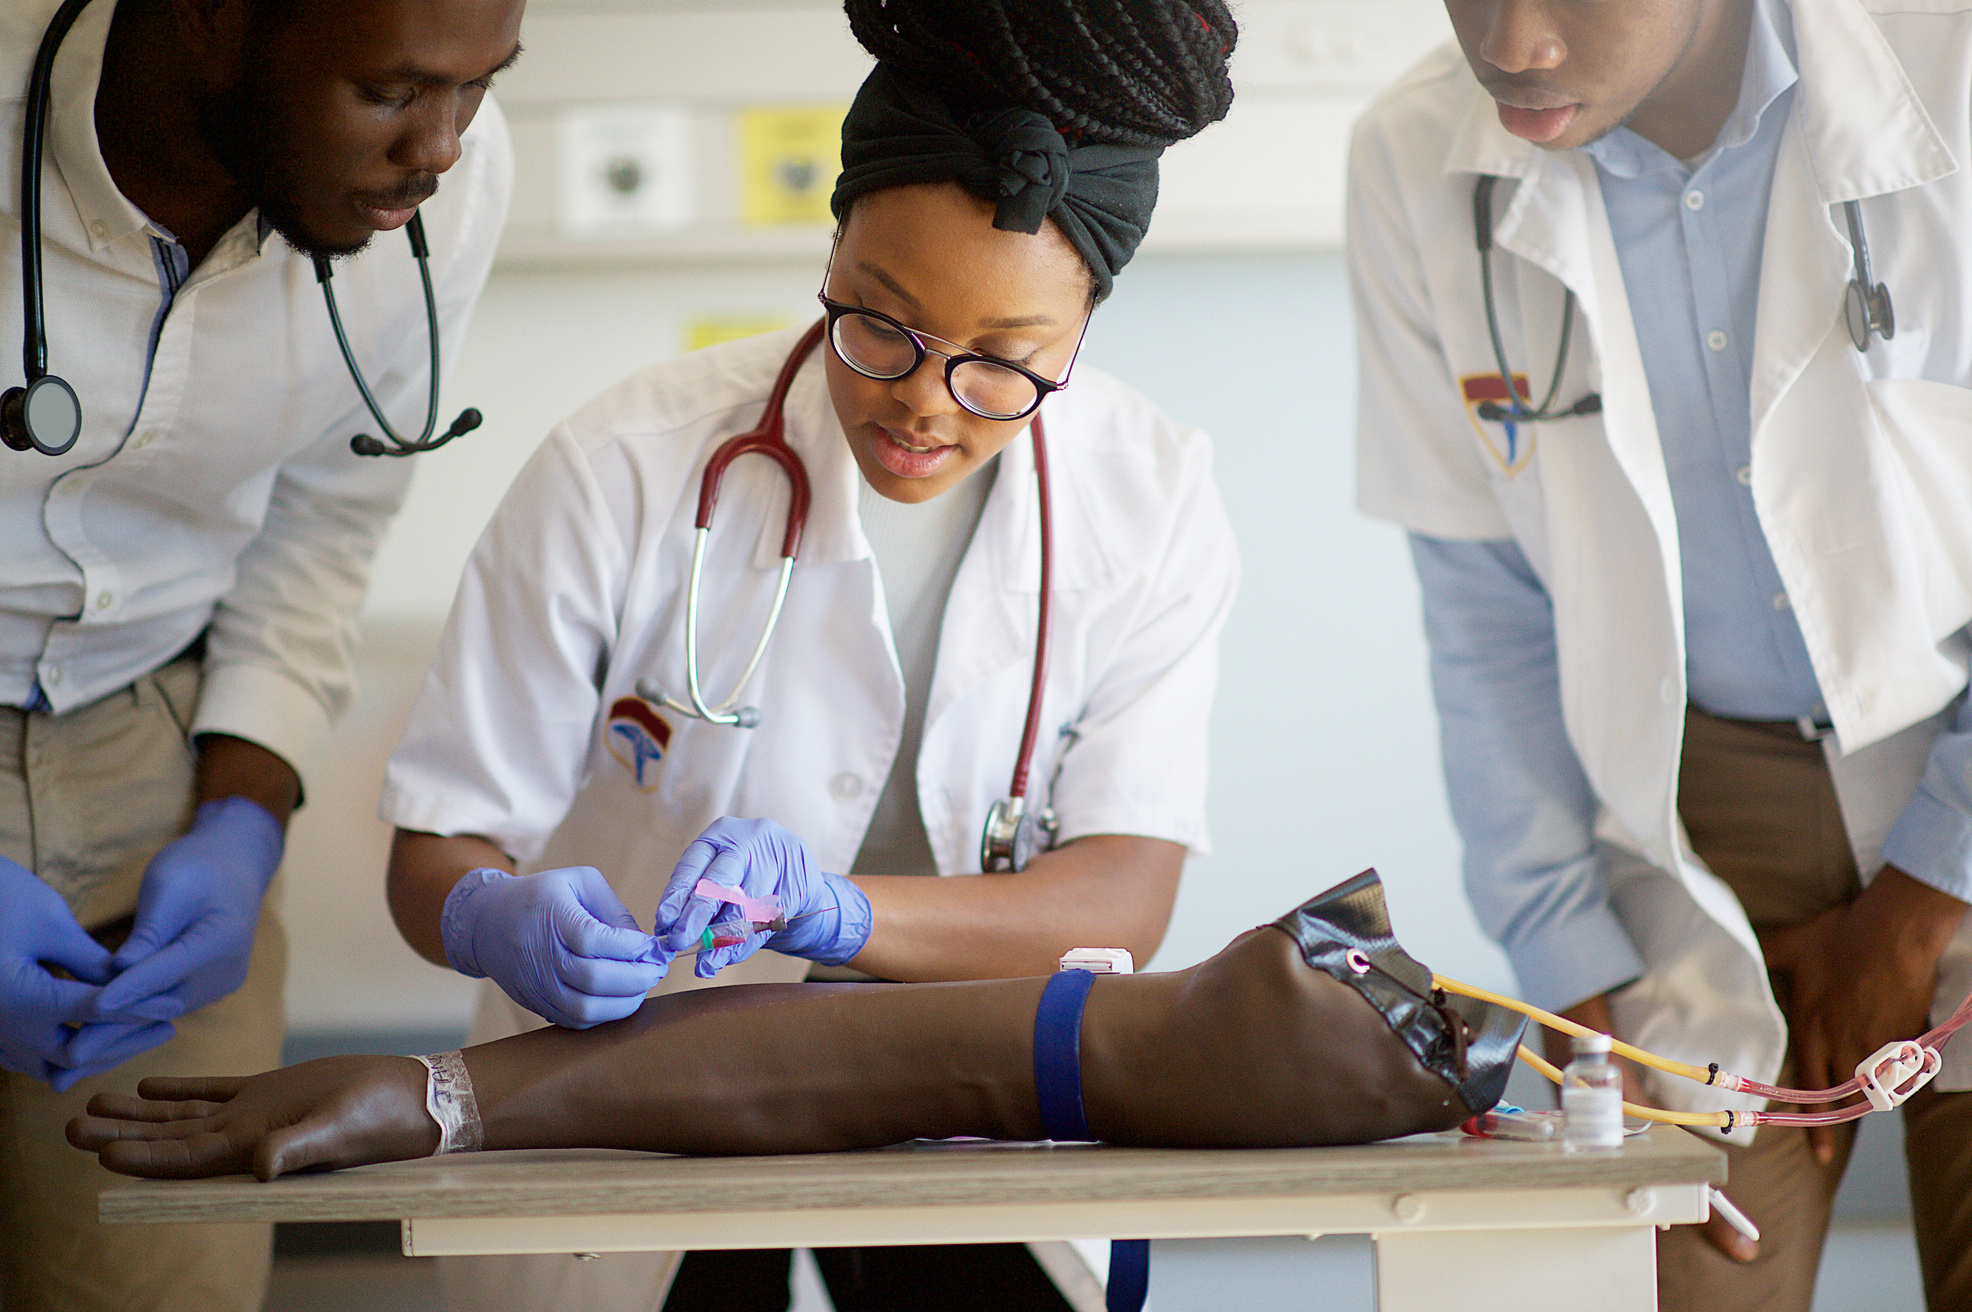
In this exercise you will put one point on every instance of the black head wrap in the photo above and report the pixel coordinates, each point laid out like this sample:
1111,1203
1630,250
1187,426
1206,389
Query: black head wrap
1101,196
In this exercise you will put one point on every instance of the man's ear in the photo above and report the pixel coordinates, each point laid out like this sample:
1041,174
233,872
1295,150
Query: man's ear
215,34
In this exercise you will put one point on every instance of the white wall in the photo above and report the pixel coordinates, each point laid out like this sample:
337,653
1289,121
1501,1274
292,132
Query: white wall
1324,753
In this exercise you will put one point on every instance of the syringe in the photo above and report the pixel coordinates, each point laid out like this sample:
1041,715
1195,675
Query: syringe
759,915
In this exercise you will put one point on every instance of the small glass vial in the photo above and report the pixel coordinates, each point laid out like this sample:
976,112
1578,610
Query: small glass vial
1591,1098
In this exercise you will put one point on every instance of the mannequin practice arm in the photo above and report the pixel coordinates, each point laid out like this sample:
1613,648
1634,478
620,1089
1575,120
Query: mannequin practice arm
1261,1046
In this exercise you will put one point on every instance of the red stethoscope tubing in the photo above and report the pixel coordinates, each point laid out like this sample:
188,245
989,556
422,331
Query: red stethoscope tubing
769,438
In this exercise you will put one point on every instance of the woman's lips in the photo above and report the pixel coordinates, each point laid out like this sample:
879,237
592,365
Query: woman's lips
906,458
1537,125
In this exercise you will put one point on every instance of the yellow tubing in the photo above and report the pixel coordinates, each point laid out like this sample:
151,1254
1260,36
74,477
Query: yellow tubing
1723,1120
1702,1074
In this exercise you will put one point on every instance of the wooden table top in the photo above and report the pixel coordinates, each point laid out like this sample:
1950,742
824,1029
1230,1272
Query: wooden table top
551,1182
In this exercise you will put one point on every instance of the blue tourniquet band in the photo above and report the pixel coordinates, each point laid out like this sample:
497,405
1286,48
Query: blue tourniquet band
1058,1088
1058,1055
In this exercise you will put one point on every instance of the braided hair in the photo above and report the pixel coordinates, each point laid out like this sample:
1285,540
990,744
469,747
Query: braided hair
1123,72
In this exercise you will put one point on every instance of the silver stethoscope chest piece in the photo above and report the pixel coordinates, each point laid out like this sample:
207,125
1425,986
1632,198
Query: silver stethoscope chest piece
1866,306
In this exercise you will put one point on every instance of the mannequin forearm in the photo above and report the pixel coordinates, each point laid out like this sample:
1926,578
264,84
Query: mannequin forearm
423,869
821,1068
1105,890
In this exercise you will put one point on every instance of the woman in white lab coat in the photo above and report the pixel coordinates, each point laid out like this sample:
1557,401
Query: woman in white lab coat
893,695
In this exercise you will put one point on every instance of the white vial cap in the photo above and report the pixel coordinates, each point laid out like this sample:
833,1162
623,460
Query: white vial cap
1590,1044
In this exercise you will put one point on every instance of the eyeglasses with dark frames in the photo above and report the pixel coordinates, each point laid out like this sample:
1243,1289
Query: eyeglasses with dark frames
879,347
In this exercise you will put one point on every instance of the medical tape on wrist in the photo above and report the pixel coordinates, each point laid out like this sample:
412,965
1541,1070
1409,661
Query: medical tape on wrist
449,1098
1058,1088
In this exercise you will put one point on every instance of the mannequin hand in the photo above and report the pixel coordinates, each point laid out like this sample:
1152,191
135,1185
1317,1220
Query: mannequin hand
196,915
1860,976
338,1111
1596,1014
561,943
828,917
38,1007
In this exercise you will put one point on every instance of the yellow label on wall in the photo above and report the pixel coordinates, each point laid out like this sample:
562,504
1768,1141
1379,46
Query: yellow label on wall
789,156
705,330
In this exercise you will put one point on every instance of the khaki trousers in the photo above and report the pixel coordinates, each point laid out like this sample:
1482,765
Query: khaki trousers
86,799
1761,810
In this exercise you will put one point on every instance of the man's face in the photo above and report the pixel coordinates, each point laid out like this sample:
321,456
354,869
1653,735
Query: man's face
342,116
1565,72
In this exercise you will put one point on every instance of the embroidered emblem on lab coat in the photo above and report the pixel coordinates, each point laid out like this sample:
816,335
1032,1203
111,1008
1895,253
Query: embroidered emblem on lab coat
637,736
1510,443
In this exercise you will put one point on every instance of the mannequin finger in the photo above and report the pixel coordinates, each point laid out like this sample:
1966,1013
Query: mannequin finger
210,1153
314,1140
125,1107
194,1088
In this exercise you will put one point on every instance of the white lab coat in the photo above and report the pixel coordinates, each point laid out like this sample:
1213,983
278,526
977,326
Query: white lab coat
1861,470
577,591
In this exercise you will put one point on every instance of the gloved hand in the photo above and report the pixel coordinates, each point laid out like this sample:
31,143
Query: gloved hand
196,913
561,943
37,1007
828,917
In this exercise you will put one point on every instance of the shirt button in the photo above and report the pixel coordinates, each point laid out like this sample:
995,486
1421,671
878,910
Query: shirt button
100,228
1668,690
145,438
105,600
1780,601
845,787
52,676
1694,200
1744,474
1716,340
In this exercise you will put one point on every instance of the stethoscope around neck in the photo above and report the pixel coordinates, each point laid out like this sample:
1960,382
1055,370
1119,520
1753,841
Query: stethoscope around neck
1866,311
1010,836
45,414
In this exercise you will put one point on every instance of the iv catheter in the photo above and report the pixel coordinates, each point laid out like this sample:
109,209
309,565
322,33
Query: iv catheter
1886,1078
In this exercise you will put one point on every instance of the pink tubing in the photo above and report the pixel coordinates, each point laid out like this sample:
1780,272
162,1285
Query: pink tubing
1934,1039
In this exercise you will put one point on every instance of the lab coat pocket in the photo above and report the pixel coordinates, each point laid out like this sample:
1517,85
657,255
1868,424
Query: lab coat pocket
1926,433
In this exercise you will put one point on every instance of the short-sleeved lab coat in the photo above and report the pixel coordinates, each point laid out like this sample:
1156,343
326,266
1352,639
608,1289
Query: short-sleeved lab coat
529,732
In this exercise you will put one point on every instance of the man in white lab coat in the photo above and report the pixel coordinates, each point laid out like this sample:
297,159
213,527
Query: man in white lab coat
177,608
1697,580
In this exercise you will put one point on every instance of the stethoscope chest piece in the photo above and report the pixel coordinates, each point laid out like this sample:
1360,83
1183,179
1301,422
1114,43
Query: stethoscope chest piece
1866,306
44,416
1007,844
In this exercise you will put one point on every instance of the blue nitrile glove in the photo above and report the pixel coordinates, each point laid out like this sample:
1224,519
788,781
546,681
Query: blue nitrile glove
196,913
828,917
36,1006
561,943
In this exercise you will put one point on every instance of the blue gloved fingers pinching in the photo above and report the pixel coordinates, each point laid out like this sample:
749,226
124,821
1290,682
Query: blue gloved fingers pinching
198,909
560,943
38,935
827,917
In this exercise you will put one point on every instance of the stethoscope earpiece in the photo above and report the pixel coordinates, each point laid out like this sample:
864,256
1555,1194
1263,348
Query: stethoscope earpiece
44,416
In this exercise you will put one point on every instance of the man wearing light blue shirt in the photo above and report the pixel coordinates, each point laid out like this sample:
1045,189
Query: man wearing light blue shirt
1666,127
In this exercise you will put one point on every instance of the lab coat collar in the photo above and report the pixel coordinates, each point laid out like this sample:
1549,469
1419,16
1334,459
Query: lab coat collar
107,214
1865,130
1010,522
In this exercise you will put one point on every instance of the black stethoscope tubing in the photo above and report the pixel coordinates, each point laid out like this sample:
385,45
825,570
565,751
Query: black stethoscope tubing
20,405
1866,310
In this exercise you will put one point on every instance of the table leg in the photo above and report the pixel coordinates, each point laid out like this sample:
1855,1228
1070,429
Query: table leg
1590,1269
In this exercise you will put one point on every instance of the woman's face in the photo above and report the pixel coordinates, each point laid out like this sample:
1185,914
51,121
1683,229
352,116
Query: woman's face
930,257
